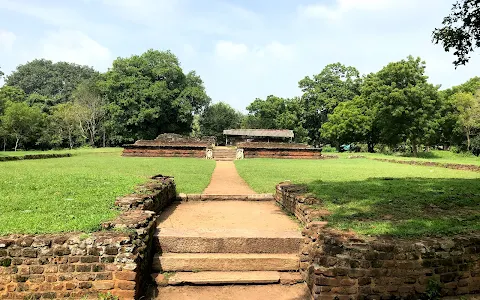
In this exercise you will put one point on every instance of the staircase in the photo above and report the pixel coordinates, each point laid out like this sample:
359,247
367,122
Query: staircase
251,243
224,153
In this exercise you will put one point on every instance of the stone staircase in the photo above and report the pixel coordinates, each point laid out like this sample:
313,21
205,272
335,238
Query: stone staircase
243,246
224,153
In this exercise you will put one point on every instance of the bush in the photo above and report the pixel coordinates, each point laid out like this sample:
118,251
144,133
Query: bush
475,145
328,148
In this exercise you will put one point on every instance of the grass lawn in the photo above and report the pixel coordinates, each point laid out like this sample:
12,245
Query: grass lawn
434,155
378,198
77,193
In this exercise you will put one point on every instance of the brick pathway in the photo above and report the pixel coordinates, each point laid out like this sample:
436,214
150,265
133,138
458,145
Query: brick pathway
226,181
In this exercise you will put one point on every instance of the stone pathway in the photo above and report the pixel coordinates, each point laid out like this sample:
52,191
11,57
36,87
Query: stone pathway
228,249
226,181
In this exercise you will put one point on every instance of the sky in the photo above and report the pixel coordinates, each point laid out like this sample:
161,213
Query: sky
242,49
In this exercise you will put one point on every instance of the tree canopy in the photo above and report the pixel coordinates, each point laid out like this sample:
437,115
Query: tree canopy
218,117
149,94
460,31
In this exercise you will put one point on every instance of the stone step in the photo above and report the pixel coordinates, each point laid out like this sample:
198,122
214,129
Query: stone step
168,262
227,241
215,197
217,278
228,278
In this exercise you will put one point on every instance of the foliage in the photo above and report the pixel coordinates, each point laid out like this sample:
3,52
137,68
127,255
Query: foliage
78,193
107,296
417,201
277,113
322,93
434,289
22,122
468,113
460,31
218,117
475,146
148,95
408,105
54,81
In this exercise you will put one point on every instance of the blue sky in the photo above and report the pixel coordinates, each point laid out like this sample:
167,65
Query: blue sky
242,49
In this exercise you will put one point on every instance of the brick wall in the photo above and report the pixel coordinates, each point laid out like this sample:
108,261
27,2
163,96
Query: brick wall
165,151
115,260
34,156
431,164
339,265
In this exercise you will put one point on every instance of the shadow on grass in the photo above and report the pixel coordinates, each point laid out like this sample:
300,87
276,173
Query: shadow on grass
403,207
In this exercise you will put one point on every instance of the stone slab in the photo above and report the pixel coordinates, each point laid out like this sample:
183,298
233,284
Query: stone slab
168,262
215,278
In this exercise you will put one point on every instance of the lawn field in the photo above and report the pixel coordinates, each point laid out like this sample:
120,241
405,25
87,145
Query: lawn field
379,198
77,193
444,157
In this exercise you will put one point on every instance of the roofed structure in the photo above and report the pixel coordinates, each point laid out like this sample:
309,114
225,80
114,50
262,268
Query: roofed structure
274,133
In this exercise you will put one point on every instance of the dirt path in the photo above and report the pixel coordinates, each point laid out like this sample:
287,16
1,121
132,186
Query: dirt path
226,181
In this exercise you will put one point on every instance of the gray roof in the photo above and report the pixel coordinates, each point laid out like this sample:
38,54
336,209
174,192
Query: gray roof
260,132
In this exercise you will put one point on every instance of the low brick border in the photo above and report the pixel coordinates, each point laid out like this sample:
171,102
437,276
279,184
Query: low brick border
341,265
34,156
116,260
464,167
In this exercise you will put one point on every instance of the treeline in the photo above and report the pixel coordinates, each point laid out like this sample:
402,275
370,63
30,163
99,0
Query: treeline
46,105
395,109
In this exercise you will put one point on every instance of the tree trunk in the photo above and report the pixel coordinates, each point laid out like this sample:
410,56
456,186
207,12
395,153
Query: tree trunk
414,148
371,147
468,141
104,143
16,143
4,144
70,139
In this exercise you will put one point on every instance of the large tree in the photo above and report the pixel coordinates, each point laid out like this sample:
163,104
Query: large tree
468,108
408,106
22,122
54,81
461,30
149,94
277,113
323,92
218,117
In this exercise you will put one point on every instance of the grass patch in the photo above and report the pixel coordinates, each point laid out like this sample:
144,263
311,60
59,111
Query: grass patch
376,198
78,193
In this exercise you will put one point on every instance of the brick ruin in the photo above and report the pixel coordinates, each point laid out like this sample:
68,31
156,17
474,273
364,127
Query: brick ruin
116,260
170,145
339,265
280,150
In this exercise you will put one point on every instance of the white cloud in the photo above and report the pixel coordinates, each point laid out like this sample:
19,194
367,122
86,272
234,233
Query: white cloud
337,11
76,47
229,50
7,39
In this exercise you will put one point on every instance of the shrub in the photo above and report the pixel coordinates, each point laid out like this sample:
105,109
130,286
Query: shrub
328,148
475,145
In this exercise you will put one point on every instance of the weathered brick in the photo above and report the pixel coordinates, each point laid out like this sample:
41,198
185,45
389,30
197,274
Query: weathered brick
83,268
84,285
125,285
89,259
103,285
70,285
104,276
125,275
37,270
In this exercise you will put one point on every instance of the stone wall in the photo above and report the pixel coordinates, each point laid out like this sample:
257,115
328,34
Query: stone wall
115,260
466,167
34,156
170,145
280,150
339,265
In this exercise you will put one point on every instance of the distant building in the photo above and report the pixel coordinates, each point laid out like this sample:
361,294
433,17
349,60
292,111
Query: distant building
234,136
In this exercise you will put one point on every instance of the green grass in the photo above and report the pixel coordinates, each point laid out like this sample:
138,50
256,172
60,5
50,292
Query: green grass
378,198
77,193
434,155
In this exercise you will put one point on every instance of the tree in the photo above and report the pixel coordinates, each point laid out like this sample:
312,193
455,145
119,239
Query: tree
461,30
22,122
218,117
65,118
277,113
468,107
149,94
56,81
89,110
322,93
12,94
352,121
408,105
